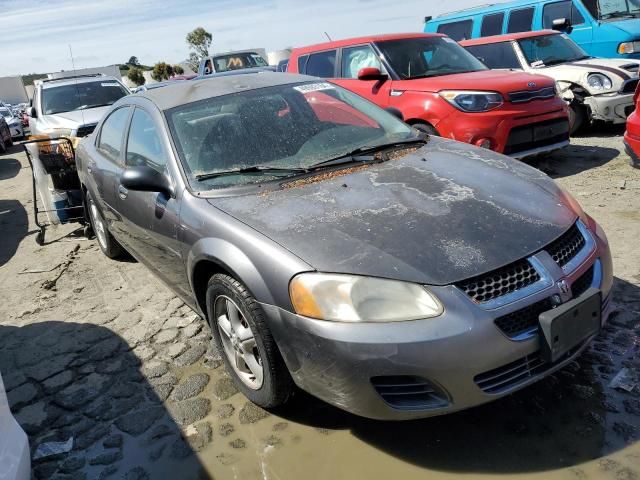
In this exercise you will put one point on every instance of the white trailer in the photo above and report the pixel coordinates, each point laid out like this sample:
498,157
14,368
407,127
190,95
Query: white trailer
12,90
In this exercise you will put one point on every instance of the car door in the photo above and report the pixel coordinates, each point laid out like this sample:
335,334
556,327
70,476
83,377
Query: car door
150,220
104,165
351,61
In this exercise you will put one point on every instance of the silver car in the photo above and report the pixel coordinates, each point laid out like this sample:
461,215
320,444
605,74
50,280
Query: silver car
13,122
333,247
72,106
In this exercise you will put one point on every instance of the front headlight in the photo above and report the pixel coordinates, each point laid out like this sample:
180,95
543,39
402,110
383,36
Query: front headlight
472,101
598,81
352,298
628,47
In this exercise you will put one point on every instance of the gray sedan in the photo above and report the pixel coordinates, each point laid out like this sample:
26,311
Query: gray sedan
334,248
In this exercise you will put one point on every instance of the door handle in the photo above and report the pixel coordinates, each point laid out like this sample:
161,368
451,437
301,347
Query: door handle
123,192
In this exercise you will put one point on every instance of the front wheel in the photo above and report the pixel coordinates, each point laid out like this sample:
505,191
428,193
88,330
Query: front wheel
577,116
425,128
109,245
241,334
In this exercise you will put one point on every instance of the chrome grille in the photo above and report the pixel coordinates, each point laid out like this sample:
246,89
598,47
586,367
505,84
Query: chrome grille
409,392
500,282
529,95
567,246
523,320
583,282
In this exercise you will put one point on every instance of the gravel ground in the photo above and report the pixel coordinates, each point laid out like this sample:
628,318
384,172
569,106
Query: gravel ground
102,352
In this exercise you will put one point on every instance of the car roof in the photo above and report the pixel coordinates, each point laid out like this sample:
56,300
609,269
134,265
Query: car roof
507,37
486,8
182,93
56,82
359,40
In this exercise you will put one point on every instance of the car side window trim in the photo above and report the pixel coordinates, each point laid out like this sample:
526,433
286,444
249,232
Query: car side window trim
120,159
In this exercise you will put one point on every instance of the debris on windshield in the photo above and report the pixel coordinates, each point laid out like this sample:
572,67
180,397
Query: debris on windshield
324,176
49,449
624,380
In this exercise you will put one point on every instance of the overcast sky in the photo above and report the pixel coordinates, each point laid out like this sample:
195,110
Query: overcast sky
35,34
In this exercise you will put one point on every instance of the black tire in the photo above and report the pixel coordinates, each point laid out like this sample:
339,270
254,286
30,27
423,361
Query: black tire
577,117
109,245
277,385
426,128
3,147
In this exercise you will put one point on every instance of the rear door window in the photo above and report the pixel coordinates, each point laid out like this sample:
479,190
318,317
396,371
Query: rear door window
496,55
520,20
457,30
567,9
322,64
110,143
492,24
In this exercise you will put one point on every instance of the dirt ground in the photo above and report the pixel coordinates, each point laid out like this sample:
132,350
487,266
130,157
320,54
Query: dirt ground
102,352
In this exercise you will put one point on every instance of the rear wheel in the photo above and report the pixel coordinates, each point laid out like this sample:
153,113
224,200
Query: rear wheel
242,336
109,245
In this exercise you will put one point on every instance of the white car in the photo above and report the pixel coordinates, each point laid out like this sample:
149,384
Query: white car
594,88
13,122
15,462
72,106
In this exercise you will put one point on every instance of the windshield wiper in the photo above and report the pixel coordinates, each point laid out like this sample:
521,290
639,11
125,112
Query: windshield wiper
253,169
365,153
618,15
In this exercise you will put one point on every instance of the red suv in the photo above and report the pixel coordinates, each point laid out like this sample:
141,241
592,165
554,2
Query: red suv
441,88
632,133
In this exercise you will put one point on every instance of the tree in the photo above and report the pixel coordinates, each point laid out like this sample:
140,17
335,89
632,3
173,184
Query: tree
178,70
199,41
133,61
161,71
136,76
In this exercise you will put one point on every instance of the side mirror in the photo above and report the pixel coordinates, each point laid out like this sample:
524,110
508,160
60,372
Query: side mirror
561,24
371,73
32,112
396,113
146,179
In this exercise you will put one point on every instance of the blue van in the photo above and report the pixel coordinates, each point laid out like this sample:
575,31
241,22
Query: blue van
604,28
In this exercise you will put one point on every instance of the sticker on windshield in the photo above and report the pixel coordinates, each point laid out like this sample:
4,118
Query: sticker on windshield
448,40
110,84
314,87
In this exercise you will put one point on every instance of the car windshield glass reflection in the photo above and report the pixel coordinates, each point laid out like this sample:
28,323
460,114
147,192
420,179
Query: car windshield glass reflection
276,132
81,96
428,57
618,9
551,50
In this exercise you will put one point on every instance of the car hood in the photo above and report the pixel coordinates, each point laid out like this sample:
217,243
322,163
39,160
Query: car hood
444,213
617,69
75,119
493,80
630,26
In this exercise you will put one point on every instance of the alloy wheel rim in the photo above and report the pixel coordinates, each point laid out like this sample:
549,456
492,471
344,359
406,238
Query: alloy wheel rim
98,226
239,342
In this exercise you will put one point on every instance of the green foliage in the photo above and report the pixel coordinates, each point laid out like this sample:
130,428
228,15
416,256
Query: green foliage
161,71
199,41
136,76
133,61
28,79
178,70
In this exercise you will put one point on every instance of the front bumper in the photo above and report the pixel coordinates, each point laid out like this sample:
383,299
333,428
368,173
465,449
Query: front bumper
632,139
343,364
497,126
613,108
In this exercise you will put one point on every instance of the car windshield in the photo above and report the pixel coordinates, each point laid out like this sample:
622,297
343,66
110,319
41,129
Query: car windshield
547,50
609,9
428,57
237,61
6,113
283,128
81,96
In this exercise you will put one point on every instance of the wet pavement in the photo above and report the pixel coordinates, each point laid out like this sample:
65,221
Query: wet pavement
101,351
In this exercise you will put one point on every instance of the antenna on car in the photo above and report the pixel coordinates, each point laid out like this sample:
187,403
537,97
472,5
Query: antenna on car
75,74
327,35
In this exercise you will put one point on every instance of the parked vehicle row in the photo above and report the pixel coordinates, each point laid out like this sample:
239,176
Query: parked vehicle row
595,88
13,122
603,28
443,90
